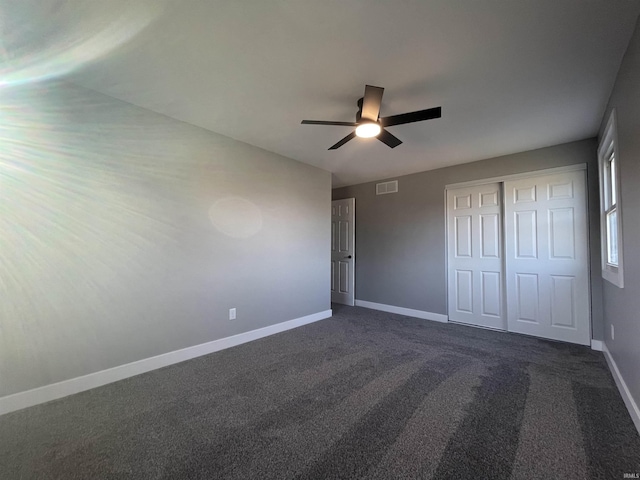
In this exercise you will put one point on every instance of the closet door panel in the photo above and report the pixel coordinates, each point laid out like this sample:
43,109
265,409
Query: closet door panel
475,276
546,257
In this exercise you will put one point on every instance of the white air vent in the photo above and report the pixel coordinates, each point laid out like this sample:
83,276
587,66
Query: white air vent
387,187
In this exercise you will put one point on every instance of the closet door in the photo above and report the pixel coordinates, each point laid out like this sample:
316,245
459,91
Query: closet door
547,265
474,248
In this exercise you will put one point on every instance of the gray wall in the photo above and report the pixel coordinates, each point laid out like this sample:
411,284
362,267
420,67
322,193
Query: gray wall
400,238
125,234
622,306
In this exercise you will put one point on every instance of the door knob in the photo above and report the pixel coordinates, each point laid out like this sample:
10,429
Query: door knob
348,256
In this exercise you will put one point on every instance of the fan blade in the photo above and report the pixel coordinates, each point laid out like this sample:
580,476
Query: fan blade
322,122
411,117
351,136
388,139
371,103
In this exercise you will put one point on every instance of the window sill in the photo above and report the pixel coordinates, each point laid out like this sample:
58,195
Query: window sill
614,277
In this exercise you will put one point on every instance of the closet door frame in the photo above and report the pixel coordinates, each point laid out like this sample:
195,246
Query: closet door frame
503,179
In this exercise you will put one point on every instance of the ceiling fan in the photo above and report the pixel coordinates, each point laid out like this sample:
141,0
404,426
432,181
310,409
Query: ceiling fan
368,123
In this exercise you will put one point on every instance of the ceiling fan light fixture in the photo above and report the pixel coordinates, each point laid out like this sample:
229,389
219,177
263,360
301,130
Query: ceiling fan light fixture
368,130
372,124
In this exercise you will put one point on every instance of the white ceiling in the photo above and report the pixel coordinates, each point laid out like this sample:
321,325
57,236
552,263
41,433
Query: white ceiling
510,75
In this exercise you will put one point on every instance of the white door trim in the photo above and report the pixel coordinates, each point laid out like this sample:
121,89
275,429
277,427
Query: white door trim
343,257
516,176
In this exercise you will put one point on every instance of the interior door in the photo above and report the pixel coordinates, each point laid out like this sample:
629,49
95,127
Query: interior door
343,251
547,266
474,231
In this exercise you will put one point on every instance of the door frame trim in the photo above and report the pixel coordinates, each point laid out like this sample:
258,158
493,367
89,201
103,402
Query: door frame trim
352,240
515,176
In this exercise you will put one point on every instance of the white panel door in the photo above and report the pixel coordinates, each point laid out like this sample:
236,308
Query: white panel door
474,233
343,251
547,269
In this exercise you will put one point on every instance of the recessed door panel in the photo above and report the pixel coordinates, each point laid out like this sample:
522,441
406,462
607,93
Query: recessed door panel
527,294
559,191
491,285
344,277
562,301
562,233
524,194
464,291
490,235
333,276
463,236
489,199
343,235
462,202
334,235
526,233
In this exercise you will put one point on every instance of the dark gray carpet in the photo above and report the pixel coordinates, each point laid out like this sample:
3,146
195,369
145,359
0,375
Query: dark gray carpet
364,394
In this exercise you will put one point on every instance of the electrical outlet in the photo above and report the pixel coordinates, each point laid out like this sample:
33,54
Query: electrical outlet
613,336
232,314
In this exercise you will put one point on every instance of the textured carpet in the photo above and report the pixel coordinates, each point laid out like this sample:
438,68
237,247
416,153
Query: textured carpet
364,394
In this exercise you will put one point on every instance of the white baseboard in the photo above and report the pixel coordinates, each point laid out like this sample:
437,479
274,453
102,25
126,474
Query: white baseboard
596,345
54,391
631,404
409,312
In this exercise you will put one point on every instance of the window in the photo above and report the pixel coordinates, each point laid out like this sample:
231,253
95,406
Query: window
610,212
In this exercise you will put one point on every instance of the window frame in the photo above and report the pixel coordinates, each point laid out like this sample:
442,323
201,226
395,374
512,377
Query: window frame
610,204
